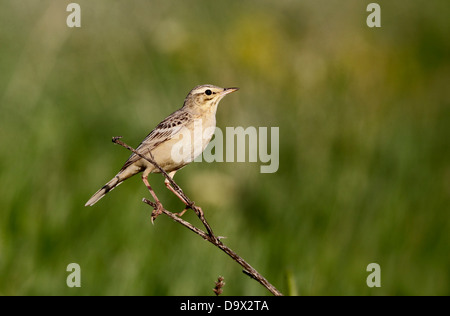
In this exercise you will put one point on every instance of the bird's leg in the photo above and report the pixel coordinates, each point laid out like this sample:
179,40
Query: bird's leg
189,205
158,209
169,186
167,183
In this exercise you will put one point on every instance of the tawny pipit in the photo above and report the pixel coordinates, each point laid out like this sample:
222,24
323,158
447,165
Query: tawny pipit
200,105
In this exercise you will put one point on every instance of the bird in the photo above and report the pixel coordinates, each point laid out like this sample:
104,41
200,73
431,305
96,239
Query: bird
174,142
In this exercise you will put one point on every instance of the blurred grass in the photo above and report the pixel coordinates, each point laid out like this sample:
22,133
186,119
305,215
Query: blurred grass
364,117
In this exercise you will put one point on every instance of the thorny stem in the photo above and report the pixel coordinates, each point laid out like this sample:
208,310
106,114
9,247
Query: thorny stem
209,236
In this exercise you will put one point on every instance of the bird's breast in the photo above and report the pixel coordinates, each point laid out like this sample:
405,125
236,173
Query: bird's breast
193,138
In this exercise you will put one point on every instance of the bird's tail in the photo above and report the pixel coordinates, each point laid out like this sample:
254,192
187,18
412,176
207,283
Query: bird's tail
105,189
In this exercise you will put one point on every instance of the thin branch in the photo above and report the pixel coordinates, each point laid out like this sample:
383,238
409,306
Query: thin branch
190,204
209,235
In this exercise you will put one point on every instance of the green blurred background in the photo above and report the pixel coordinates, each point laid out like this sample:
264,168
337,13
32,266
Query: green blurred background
364,118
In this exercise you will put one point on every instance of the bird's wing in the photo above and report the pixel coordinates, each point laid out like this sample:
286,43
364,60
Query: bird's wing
163,132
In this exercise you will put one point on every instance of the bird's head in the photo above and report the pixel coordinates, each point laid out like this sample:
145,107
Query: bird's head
206,98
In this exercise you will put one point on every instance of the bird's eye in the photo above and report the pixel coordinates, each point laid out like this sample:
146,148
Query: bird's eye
208,92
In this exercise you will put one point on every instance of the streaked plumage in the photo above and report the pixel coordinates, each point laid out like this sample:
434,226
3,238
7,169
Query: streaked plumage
200,104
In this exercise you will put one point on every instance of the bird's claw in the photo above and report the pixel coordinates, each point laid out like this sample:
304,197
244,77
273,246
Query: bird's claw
157,210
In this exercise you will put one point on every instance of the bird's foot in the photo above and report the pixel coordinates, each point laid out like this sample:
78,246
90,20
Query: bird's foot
157,210
182,212
197,209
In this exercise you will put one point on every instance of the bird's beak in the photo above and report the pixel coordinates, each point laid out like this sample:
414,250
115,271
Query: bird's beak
228,91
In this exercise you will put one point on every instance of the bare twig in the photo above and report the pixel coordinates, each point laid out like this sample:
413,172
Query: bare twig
189,204
209,235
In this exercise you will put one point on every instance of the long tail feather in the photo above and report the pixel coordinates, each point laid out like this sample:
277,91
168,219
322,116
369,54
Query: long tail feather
105,189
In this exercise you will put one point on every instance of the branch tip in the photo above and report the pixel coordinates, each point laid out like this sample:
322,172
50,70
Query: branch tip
116,138
219,285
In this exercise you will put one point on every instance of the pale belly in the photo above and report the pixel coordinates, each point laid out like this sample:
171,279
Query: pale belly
183,148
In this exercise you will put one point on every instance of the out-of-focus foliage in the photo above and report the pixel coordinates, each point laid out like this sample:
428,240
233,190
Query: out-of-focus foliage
364,120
